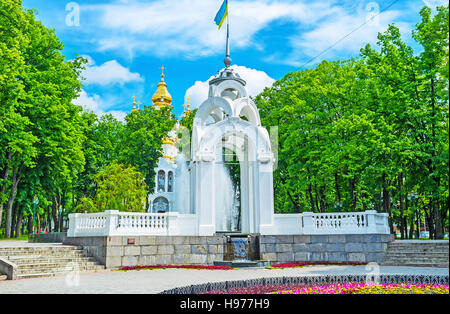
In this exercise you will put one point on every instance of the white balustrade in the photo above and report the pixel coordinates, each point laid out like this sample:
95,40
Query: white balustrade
367,222
110,223
115,223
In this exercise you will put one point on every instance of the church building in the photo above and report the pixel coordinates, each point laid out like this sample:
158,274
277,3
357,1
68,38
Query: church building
163,199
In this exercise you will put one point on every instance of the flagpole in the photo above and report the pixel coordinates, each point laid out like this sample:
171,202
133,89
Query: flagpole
228,59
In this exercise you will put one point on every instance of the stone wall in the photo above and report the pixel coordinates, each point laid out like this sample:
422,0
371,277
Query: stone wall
324,248
52,237
119,251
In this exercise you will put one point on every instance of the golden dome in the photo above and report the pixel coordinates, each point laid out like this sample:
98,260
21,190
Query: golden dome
134,104
162,98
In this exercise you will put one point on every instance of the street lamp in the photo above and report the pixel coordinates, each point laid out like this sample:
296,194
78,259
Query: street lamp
35,203
412,197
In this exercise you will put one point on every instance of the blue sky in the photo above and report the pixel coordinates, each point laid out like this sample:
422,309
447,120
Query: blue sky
127,41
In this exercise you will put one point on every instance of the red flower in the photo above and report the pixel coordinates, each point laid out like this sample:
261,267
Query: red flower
176,266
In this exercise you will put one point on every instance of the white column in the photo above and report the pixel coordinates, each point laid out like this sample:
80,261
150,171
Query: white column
205,197
308,227
173,227
112,221
73,224
371,221
265,198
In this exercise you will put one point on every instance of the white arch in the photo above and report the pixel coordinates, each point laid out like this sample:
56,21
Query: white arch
231,84
256,136
246,107
211,105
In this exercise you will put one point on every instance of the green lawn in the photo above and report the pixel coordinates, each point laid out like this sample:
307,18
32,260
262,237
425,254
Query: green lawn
21,238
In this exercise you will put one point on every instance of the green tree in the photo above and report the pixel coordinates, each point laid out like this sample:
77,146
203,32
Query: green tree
40,126
118,188
141,145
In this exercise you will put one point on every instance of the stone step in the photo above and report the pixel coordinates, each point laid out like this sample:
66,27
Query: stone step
36,254
28,251
419,261
412,260
413,251
421,254
39,264
423,243
431,246
33,256
42,248
418,246
46,274
37,275
60,270
436,265
44,259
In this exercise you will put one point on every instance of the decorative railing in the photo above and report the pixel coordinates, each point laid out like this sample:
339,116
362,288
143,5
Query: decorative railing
143,222
345,223
115,223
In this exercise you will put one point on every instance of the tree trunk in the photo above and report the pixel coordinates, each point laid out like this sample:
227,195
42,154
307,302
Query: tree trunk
439,231
400,191
147,203
316,198
322,199
387,201
3,188
13,220
351,183
15,181
311,198
38,223
30,224
338,191
296,206
431,219
19,222
437,214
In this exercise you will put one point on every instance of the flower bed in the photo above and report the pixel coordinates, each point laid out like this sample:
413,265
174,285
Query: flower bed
149,267
303,264
366,288
257,289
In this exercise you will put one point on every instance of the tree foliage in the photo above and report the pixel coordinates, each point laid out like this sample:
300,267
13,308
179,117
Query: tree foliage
118,188
363,133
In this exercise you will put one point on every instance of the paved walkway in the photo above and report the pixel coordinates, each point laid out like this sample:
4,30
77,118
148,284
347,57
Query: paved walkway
155,281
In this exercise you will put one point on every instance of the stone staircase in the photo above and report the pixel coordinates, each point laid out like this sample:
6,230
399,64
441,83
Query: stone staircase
417,253
47,261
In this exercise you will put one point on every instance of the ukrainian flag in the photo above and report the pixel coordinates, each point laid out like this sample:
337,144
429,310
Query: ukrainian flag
222,14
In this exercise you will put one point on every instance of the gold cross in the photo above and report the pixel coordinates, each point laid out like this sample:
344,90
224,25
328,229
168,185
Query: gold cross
162,69
134,98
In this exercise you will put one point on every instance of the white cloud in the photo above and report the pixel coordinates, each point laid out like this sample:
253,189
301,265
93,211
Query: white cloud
93,103
186,26
110,72
339,35
256,82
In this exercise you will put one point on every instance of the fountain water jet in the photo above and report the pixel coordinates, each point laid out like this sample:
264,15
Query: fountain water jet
182,186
